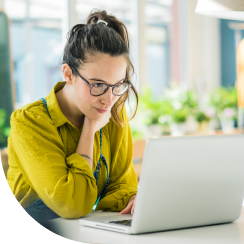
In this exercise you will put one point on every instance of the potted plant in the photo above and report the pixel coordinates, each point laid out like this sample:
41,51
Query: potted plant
179,117
224,100
213,119
202,120
227,119
184,103
165,118
151,107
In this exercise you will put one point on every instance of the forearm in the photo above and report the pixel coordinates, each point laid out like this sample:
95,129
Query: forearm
85,145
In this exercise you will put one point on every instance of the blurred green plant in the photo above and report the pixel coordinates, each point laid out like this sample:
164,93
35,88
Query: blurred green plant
201,116
174,106
184,103
188,99
136,132
180,115
4,129
154,106
224,100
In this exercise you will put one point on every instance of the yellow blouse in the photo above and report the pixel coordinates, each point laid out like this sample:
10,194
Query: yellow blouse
43,163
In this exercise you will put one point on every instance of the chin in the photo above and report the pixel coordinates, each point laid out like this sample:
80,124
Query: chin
97,116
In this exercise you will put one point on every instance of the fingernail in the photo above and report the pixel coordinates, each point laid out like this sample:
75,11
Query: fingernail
133,211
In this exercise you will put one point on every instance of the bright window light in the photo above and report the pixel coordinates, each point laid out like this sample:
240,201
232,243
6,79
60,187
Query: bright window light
15,8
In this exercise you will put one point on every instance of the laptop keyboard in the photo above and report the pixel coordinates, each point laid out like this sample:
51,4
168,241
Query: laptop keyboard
122,222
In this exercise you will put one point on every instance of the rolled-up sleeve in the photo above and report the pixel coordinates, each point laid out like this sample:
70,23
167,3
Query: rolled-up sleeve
65,184
123,181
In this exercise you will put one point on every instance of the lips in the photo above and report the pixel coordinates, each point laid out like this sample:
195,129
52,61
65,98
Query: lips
101,111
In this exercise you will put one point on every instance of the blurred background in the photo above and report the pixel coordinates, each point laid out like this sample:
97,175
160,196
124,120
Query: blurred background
185,64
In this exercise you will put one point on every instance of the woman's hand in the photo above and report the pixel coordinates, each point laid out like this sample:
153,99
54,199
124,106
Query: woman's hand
86,141
96,125
130,206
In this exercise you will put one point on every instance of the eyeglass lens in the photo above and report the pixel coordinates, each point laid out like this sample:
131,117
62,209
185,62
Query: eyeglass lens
100,88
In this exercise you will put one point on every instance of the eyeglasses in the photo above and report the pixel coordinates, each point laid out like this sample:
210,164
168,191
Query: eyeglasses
99,89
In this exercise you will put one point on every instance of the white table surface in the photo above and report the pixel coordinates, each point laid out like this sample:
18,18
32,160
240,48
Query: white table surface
231,233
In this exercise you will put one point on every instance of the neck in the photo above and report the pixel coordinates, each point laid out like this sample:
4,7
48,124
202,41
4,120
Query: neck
68,107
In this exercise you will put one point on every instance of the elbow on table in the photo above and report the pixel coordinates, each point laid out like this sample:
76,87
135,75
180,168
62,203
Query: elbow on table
76,213
76,209
69,207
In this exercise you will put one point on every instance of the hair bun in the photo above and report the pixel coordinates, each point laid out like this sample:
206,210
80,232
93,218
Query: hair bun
102,21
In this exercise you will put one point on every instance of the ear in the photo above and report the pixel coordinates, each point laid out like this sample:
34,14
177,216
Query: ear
67,73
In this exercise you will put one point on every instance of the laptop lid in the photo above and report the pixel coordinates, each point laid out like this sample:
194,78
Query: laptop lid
190,181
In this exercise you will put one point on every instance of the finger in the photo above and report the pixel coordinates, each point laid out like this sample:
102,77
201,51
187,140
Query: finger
132,209
127,210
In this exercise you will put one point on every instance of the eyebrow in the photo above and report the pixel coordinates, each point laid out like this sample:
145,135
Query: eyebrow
103,80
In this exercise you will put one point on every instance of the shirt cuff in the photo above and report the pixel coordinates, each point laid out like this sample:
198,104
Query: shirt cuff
115,202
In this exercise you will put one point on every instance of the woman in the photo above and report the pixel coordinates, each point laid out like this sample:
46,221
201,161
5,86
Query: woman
73,149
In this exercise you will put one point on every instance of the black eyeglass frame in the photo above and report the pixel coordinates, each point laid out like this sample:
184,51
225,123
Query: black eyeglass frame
129,85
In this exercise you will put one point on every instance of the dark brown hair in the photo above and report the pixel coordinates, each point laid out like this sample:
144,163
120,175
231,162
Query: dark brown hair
92,38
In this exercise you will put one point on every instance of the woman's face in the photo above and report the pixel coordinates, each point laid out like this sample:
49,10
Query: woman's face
102,69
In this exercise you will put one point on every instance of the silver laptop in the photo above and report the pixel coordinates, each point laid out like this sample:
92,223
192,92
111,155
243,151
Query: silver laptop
185,182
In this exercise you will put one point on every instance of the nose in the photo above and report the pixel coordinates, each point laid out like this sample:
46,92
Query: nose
108,97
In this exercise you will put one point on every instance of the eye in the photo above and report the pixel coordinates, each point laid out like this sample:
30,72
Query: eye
99,85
